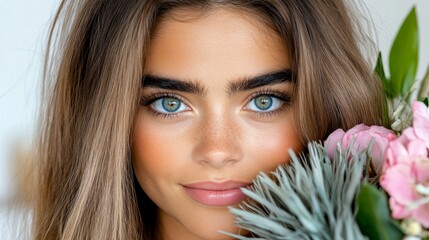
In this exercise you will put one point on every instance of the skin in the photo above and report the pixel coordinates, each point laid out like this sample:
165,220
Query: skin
217,135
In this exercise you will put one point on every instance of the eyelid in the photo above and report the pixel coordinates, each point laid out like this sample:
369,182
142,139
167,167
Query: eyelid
147,100
283,96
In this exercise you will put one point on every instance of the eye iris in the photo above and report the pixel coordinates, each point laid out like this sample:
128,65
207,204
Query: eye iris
171,104
263,102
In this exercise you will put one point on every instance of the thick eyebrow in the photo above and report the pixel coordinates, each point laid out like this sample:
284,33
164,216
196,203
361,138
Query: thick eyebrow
172,84
272,78
282,76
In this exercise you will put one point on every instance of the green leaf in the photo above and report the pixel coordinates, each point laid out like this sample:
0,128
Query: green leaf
424,87
403,59
373,216
379,70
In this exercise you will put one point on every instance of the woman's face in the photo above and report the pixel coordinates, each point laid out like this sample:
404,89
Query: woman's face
215,111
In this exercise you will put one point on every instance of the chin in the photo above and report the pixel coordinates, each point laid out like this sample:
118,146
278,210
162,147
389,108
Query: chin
215,222
214,234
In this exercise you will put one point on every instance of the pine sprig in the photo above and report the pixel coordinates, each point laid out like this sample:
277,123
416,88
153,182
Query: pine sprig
312,197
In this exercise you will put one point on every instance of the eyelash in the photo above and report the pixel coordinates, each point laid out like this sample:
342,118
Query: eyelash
148,100
284,98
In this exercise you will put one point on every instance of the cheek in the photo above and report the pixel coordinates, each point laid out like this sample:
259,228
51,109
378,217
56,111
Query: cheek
152,152
269,147
147,150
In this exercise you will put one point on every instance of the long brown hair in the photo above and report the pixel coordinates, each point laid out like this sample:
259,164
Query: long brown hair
95,63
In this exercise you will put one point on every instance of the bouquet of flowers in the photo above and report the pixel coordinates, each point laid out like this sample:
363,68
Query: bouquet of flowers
366,183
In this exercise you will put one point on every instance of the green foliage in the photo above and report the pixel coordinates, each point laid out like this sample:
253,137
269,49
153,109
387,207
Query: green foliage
311,198
315,197
373,216
424,87
402,83
403,59
379,70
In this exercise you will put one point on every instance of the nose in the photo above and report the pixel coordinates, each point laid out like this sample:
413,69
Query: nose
217,142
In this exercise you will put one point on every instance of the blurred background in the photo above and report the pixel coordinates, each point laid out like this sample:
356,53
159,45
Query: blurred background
23,27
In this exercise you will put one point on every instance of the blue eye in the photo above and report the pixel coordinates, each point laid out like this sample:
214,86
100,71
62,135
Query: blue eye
264,103
168,105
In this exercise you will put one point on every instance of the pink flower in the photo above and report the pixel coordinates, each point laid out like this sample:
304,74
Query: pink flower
405,149
407,170
400,182
361,136
421,121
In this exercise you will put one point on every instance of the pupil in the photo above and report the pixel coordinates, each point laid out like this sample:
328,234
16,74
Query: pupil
263,102
171,104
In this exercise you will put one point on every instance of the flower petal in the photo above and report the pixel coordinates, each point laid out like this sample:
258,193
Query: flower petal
398,210
384,132
420,169
396,153
332,141
421,121
350,134
421,214
417,148
399,182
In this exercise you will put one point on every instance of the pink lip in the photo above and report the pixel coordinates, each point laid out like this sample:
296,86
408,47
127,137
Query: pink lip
213,193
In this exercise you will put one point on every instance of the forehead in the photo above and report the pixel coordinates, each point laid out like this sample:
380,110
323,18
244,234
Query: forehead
222,43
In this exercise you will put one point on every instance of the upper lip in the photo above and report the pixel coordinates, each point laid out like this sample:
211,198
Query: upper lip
217,185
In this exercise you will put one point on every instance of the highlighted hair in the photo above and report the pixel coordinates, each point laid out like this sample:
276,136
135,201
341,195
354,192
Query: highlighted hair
95,62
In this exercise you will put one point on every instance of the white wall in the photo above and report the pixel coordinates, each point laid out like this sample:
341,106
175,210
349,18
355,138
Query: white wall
23,24
22,27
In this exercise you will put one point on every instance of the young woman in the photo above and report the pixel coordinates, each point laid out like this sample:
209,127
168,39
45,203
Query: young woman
158,112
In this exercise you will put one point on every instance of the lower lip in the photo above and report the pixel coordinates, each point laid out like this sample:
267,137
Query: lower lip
216,197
